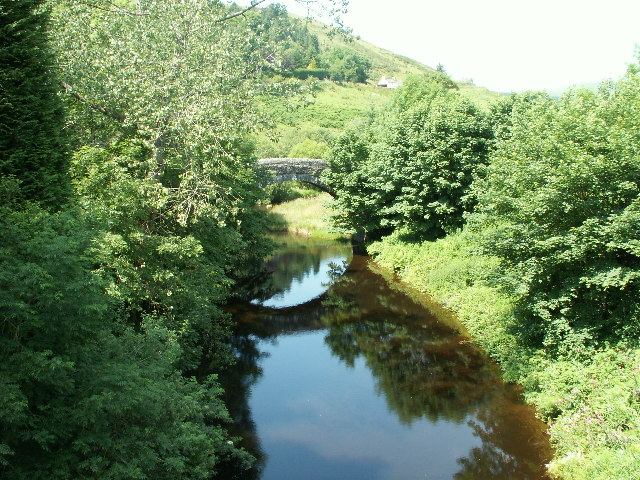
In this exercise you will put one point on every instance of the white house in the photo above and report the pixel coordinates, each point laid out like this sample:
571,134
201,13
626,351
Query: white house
392,82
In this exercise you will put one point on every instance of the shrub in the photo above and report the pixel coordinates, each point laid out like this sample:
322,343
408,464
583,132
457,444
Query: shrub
306,73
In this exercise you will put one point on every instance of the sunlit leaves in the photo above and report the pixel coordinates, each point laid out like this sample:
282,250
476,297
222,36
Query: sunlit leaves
413,170
562,196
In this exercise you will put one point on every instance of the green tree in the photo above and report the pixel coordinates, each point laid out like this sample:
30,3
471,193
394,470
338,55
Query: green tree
414,171
81,394
560,204
357,199
158,272
345,65
169,174
174,77
422,88
32,147
284,41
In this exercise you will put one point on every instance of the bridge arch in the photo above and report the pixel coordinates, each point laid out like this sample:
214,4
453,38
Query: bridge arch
307,170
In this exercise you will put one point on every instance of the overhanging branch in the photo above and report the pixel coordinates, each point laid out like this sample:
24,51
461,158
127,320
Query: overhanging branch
253,5
93,105
114,8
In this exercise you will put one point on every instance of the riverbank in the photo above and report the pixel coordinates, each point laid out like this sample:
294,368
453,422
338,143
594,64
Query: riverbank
305,216
591,400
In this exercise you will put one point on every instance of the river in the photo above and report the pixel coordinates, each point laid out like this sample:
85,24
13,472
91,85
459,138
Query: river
345,373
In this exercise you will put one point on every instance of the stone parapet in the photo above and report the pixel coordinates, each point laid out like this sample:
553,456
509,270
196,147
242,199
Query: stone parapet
307,170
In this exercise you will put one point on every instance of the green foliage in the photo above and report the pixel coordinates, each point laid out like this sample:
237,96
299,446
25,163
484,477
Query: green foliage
306,73
562,195
32,147
280,192
383,62
172,182
285,139
598,400
357,198
451,270
422,88
157,269
345,65
413,171
120,63
286,43
106,304
309,149
83,395
286,191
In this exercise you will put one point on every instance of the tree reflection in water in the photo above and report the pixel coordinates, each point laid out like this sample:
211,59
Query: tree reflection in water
297,259
425,369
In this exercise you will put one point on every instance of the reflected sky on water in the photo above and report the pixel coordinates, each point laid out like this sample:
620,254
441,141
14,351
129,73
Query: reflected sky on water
300,270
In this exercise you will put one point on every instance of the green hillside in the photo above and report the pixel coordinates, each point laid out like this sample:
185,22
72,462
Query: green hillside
383,62
330,107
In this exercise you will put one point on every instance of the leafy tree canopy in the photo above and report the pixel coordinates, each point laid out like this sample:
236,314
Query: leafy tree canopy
422,88
561,196
413,170
345,65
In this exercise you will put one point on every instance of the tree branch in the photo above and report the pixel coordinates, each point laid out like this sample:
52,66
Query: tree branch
253,5
116,8
95,106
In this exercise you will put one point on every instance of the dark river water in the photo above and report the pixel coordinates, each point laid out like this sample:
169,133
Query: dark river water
344,374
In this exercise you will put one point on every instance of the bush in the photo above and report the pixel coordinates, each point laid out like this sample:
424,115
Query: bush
306,73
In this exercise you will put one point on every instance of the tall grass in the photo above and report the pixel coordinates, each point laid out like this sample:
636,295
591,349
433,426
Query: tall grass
304,216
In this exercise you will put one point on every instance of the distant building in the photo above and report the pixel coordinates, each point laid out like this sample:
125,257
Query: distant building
392,82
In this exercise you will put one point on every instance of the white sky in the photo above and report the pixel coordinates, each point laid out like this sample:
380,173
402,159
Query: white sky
505,45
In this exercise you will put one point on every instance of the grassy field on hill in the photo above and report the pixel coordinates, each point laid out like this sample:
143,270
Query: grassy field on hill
383,62
310,127
332,108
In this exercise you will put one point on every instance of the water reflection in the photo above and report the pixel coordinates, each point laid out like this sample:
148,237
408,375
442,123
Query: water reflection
364,382
300,269
424,368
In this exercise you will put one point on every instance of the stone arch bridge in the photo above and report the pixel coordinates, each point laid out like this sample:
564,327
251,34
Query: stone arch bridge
307,170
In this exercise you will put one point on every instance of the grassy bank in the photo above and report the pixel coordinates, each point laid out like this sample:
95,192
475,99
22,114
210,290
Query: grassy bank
303,216
591,399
